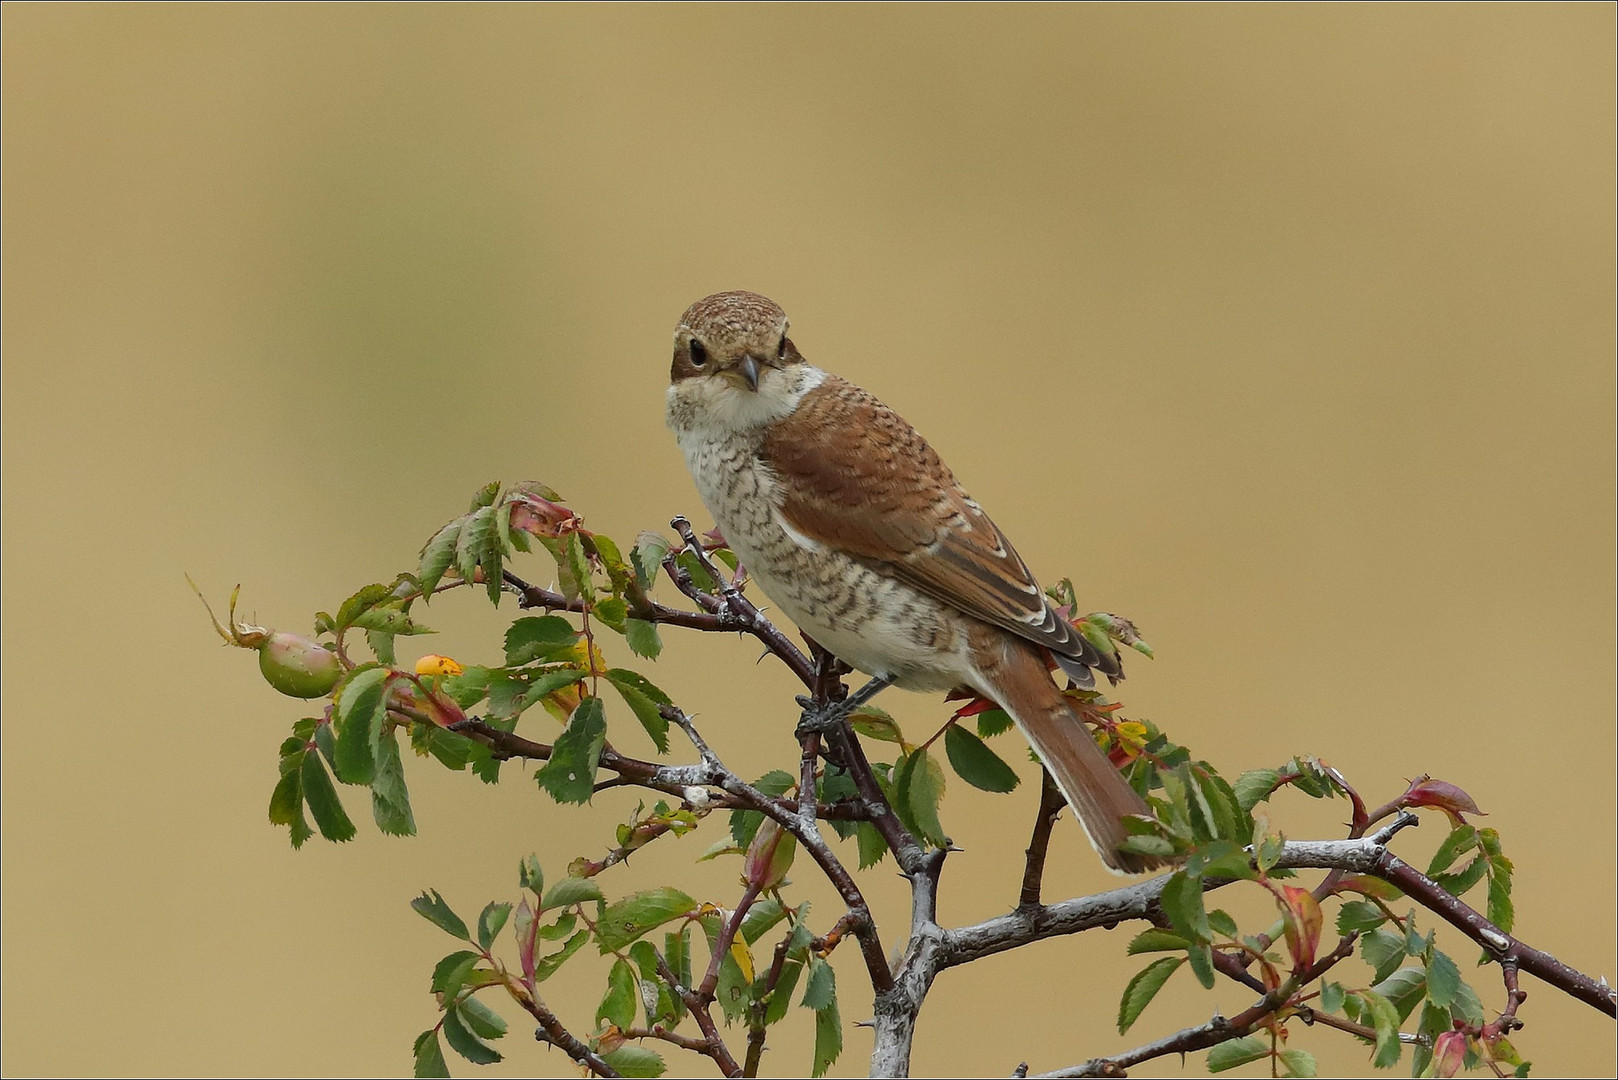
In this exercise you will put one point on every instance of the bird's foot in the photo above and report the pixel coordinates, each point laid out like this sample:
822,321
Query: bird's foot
824,716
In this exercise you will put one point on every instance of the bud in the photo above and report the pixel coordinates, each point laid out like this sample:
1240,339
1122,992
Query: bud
1449,1053
769,856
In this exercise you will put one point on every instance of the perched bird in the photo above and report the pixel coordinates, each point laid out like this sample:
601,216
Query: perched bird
854,528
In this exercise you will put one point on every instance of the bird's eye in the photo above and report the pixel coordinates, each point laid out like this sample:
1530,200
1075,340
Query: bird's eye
699,355
781,349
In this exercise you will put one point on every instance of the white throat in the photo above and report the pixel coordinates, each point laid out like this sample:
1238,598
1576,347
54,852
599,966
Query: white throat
717,407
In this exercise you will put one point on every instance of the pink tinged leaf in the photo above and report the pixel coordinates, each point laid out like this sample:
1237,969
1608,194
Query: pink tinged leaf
1303,920
1441,795
715,538
525,926
1449,1053
769,856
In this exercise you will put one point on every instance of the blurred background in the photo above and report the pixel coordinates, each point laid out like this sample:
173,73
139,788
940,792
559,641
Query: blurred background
1286,331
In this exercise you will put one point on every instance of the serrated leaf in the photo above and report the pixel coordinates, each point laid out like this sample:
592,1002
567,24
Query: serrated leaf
1144,987
1460,840
451,973
286,805
491,922
1466,1005
643,700
623,988
1297,1063
612,611
1404,988
1357,915
643,638
359,714
828,1038
1331,997
1228,1055
1379,1012
484,1021
367,597
572,890
763,915
872,847
569,776
635,1060
547,965
634,915
1254,786
1500,909
1181,900
538,637
324,805
436,557
975,763
1200,957
1383,950
1156,939
875,723
429,1055
465,1043
992,722
821,988
647,557
1443,979
390,799
918,789
430,906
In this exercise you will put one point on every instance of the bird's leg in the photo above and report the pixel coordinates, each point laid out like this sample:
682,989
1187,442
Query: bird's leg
823,716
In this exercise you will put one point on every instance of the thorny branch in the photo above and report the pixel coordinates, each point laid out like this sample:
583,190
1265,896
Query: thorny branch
931,949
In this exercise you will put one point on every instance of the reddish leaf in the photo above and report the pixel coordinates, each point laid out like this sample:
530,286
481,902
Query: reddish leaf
1303,920
973,707
1425,791
525,926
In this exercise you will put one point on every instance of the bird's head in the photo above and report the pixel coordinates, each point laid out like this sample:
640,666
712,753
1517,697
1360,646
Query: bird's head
734,339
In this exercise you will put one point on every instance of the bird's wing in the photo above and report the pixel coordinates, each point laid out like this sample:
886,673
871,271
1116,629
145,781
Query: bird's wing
854,476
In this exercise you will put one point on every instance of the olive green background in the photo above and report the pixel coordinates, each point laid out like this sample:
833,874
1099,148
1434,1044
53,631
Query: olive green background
1287,331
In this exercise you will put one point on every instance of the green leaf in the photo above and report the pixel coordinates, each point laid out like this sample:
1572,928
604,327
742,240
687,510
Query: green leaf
632,1059
1383,950
612,611
1201,960
1298,1062
1443,980
1500,910
546,967
429,1055
361,601
1331,997
1466,1005
1463,879
1359,915
430,906
634,915
763,915
992,722
484,1021
1144,987
875,723
647,557
623,990
744,823
1221,923
465,1043
485,495
536,637
1182,903
872,847
1254,786
490,923
436,557
575,572
643,638
572,890
530,875
548,683
1379,1012
1404,988
470,545
451,973
390,800
360,712
975,763
821,988
382,645
1461,839
1228,1055
828,1038
699,573
1157,940
329,815
286,805
780,1001
570,774
561,928
643,700
917,791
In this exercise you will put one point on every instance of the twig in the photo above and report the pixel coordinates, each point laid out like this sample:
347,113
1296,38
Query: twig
1051,803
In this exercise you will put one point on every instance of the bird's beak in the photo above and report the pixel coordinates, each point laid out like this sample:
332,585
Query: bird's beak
750,372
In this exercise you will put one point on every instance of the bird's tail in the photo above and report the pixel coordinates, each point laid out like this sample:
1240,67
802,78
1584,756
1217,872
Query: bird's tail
1016,677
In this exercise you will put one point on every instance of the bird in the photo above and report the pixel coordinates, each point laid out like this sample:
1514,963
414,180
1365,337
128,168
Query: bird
855,528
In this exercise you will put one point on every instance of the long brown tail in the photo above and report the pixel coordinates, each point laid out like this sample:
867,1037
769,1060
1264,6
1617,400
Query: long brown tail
1018,680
